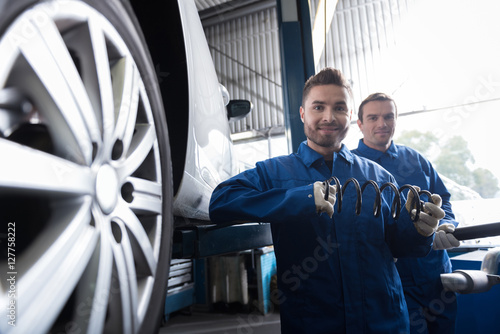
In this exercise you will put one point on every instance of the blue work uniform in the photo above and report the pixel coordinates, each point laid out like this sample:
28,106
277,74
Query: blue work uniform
334,275
431,310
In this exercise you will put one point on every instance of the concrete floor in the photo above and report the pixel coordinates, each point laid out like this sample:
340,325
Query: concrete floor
222,323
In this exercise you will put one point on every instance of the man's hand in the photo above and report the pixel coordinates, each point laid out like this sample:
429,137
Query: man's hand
444,239
323,205
430,215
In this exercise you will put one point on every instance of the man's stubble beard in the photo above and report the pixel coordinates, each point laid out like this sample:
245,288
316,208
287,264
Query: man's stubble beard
327,142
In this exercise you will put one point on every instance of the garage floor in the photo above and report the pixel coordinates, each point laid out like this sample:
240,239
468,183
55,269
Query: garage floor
222,323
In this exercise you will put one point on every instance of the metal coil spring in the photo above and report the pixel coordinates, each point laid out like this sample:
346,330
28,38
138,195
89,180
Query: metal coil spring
396,203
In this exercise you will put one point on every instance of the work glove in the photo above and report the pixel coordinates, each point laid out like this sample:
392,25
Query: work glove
429,217
323,205
444,239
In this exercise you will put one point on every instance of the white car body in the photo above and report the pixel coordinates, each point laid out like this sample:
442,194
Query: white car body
209,157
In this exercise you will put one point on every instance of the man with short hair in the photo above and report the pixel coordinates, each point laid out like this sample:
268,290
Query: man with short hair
431,309
335,269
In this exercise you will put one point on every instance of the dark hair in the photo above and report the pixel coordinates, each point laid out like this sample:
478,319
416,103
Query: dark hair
327,76
375,97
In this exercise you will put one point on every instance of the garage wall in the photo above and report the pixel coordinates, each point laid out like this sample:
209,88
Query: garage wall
246,54
245,48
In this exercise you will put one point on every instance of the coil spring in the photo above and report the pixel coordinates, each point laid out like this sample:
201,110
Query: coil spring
396,203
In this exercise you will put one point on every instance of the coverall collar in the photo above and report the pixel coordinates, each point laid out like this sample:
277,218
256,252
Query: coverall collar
374,154
310,156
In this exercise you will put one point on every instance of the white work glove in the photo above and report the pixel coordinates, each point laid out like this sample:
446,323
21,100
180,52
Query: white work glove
429,217
323,205
444,239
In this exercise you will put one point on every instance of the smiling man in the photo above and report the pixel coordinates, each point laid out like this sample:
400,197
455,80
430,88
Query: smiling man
431,309
336,272
377,121
327,120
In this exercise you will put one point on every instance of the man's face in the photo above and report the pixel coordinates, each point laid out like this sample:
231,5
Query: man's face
326,115
378,125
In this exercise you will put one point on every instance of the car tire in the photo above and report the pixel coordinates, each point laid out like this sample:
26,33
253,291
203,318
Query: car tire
86,178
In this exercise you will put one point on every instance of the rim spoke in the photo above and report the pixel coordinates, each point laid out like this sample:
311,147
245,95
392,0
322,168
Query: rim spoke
8,54
127,276
146,196
57,82
104,270
126,280
126,90
145,251
101,58
142,143
30,169
61,55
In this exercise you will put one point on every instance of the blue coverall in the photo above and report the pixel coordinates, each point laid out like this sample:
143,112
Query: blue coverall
421,276
334,275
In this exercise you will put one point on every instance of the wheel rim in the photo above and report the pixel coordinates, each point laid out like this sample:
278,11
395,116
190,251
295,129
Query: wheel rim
82,173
